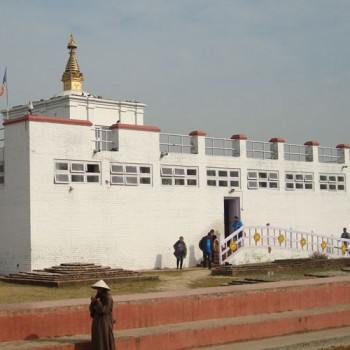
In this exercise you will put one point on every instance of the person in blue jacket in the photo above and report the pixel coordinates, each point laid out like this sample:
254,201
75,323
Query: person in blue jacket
206,246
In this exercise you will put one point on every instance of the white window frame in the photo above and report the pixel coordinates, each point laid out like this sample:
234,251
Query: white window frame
262,179
172,175
130,174
71,173
332,182
300,181
222,177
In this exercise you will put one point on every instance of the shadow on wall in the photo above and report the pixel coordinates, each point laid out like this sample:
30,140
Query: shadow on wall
158,263
192,261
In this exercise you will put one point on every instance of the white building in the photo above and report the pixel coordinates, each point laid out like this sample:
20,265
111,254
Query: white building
83,179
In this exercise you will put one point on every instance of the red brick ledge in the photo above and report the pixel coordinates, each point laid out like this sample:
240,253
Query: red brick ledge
239,137
343,145
198,133
135,127
38,118
311,143
278,139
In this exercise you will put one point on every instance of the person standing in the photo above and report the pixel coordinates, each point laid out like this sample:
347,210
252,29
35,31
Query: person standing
345,235
180,251
101,311
206,246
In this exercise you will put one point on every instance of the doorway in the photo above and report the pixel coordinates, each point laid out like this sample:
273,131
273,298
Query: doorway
232,207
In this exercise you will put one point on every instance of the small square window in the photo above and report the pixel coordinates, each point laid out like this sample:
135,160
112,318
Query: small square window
211,173
340,178
61,178
289,186
179,182
309,177
299,177
323,178
179,172
78,178
341,188
234,183
92,178
211,182
234,173
167,182
273,176
59,166
262,184
191,182
92,168
222,173
252,175
223,183
332,187
145,180
78,167
309,186
332,178
117,180
273,184
130,169
262,175
131,180
167,171
252,184
2,179
192,172
289,177
117,169
323,187
145,170
299,186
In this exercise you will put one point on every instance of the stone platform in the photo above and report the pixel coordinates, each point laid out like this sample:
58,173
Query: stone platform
73,273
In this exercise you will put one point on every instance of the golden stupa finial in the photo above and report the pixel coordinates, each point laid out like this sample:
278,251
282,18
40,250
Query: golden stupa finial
72,78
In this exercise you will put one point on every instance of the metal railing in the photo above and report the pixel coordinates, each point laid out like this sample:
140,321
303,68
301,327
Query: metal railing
260,150
328,155
175,143
220,147
296,153
289,239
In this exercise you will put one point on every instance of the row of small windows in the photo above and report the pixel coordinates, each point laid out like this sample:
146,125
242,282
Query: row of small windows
141,174
2,173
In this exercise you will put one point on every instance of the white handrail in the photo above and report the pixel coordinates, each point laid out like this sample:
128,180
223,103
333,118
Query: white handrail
289,239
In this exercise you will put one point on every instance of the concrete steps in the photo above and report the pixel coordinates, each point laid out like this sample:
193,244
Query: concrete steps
185,319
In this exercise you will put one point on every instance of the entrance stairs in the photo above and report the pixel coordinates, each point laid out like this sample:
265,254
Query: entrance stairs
184,319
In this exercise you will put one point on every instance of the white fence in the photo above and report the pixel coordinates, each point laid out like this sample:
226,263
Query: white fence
269,236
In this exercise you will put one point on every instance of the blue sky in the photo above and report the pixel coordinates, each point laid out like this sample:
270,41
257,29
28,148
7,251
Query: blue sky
272,68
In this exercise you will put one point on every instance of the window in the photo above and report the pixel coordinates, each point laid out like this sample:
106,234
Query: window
332,182
131,174
299,181
179,176
258,179
223,178
76,172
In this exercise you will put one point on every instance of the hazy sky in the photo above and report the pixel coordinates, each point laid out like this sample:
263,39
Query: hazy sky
268,68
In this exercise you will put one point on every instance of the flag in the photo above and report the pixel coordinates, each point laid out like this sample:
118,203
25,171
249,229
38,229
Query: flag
4,82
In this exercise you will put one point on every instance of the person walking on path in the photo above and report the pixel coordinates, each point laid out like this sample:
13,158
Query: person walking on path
180,252
101,311
206,246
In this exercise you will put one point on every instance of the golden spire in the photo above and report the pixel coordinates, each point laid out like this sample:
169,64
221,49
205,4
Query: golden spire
72,78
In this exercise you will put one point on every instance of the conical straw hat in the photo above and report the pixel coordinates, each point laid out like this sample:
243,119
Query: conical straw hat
100,284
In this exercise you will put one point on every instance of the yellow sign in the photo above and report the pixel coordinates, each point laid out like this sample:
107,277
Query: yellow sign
323,245
281,238
303,242
257,237
233,246
343,248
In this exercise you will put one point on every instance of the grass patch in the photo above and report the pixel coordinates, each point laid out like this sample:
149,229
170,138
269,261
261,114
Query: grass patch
210,281
18,293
